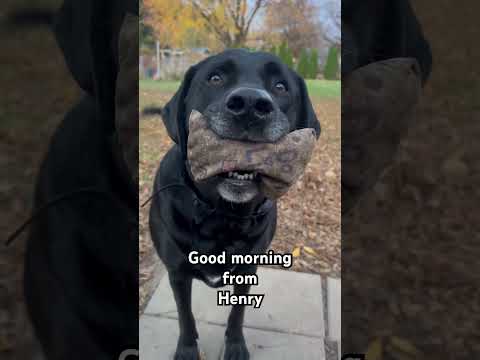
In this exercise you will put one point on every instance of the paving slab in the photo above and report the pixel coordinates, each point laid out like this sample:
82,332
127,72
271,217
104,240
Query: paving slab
334,308
158,338
289,324
267,345
204,303
292,304
334,311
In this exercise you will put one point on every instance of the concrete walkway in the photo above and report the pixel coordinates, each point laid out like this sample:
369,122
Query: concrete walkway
299,319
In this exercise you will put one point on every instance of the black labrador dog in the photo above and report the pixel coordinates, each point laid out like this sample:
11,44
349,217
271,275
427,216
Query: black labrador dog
247,96
81,262
375,30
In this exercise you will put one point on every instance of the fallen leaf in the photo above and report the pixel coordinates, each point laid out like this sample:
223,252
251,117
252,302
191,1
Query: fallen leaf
309,250
375,350
5,345
330,174
296,252
404,345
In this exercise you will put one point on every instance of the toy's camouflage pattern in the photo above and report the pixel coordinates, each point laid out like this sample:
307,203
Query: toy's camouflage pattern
279,164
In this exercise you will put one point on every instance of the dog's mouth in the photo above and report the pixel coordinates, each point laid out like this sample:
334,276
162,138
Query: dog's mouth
240,175
239,186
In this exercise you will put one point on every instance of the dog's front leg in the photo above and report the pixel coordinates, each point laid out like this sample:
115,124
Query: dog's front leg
235,346
187,348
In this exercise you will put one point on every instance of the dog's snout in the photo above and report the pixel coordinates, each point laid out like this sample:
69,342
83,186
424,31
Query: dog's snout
249,101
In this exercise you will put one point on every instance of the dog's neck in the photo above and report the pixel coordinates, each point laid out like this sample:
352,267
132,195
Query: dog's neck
243,210
234,209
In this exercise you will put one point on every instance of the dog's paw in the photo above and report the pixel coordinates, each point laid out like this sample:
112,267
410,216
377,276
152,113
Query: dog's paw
236,351
187,353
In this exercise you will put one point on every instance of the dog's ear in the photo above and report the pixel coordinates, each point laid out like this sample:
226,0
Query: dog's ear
87,32
72,28
404,37
306,115
173,114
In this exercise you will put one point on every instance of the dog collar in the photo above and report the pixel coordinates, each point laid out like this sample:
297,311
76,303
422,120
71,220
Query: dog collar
202,210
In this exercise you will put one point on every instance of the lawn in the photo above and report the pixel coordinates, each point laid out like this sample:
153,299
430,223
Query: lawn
316,88
324,88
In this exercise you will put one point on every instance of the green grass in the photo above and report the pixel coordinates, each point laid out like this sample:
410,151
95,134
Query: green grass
324,88
316,88
162,86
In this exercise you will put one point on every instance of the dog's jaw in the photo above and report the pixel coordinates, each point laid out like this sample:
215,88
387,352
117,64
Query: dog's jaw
238,191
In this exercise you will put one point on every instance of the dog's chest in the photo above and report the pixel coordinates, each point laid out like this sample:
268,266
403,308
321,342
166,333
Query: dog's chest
217,234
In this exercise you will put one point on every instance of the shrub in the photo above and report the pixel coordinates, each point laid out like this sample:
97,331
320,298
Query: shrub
282,51
289,58
303,66
313,64
273,50
285,54
330,72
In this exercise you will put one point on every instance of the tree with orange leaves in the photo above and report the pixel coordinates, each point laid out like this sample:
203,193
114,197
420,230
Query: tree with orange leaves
218,23
294,22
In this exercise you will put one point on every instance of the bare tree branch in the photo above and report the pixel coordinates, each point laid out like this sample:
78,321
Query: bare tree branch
212,22
257,6
235,11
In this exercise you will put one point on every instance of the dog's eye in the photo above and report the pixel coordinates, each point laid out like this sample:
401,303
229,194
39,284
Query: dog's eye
215,79
280,87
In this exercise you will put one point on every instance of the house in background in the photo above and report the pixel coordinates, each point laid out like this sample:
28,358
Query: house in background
169,64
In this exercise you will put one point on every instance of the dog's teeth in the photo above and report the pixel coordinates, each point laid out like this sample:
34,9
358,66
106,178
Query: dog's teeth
244,176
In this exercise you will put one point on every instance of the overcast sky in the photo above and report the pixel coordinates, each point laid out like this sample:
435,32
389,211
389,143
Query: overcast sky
330,13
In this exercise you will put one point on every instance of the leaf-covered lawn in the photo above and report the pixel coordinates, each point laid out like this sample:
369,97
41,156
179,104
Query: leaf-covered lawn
309,215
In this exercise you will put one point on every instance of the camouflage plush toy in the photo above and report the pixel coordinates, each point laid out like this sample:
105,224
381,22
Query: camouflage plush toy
377,107
279,164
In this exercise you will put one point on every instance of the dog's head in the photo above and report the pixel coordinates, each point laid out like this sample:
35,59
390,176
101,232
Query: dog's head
245,96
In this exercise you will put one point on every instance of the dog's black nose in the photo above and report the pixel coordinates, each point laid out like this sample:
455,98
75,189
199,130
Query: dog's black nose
246,101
